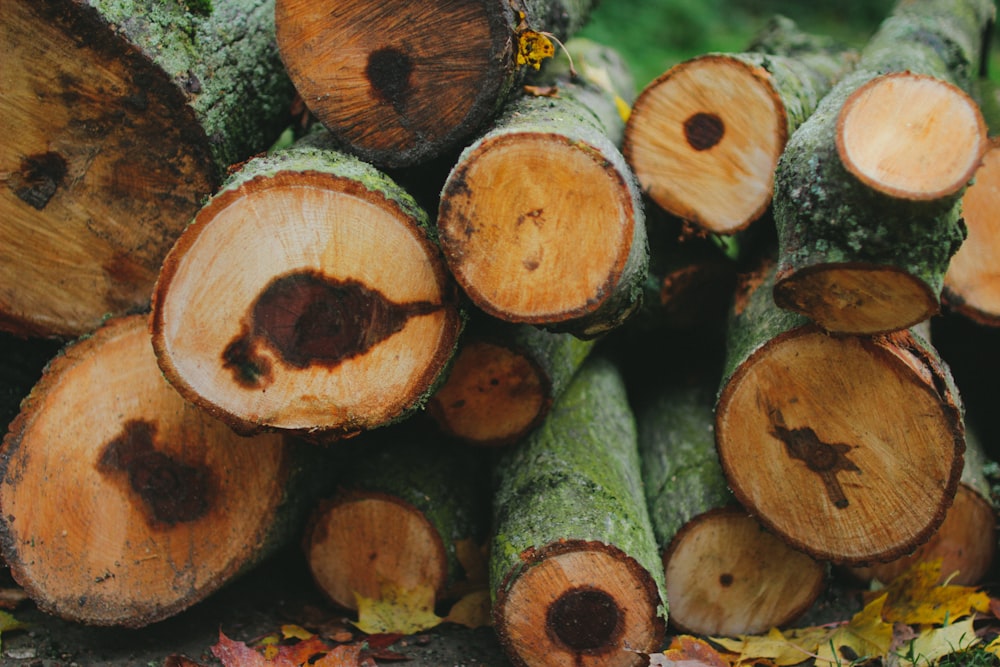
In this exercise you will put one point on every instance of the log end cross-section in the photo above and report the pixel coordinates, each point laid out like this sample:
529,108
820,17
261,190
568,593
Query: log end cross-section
704,140
304,301
850,448
123,503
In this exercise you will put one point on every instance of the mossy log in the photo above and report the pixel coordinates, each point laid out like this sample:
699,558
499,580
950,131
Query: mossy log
704,138
541,220
406,502
309,296
725,574
503,381
574,567
971,284
848,447
867,193
119,118
400,82
123,503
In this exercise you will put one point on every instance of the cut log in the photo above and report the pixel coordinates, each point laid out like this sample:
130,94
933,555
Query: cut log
119,119
867,193
848,447
966,542
404,503
541,220
704,138
503,381
971,284
306,296
400,82
725,575
124,504
574,565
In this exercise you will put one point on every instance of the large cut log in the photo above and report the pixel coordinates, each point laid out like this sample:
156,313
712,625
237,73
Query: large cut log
401,82
119,119
541,220
704,138
848,447
123,503
406,503
503,381
725,574
971,283
867,193
306,296
573,564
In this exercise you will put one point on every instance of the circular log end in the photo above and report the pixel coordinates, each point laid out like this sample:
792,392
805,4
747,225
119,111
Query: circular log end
911,136
579,603
727,576
88,209
317,337
532,249
361,542
493,395
399,82
704,140
856,299
152,513
850,448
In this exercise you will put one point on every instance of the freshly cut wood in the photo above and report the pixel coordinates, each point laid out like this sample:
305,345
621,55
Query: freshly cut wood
704,138
119,119
503,381
306,296
848,447
400,82
123,503
966,542
867,193
725,574
573,563
541,220
406,502
971,284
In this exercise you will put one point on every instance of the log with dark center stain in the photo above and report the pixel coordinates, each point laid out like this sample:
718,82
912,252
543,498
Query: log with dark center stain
703,130
585,619
726,580
822,458
309,319
389,72
38,178
171,492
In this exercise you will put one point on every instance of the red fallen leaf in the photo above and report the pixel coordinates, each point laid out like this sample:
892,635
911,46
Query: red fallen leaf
301,652
176,660
348,655
381,641
233,653
995,607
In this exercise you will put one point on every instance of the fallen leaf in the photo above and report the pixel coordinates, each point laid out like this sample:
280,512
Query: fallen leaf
472,610
302,652
935,643
177,660
916,598
341,656
397,611
532,48
292,631
777,647
8,623
688,651
233,653
864,636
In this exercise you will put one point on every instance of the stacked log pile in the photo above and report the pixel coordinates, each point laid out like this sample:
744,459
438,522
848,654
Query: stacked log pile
314,298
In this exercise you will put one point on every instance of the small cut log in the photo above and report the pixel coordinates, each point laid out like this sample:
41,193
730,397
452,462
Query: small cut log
125,504
307,296
574,565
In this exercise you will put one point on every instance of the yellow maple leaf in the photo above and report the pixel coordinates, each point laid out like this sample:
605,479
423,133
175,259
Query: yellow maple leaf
777,647
533,47
397,611
472,610
936,643
915,598
865,635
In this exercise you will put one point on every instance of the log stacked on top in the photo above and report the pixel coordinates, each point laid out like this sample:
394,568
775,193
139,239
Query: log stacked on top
312,296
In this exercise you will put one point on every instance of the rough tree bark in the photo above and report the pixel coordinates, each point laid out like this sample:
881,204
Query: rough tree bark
124,504
541,220
704,138
725,575
309,296
503,381
405,501
400,82
867,192
848,447
574,565
119,118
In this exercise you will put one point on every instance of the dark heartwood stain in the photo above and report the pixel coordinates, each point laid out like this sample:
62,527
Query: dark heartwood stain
389,72
585,619
822,458
38,178
703,130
